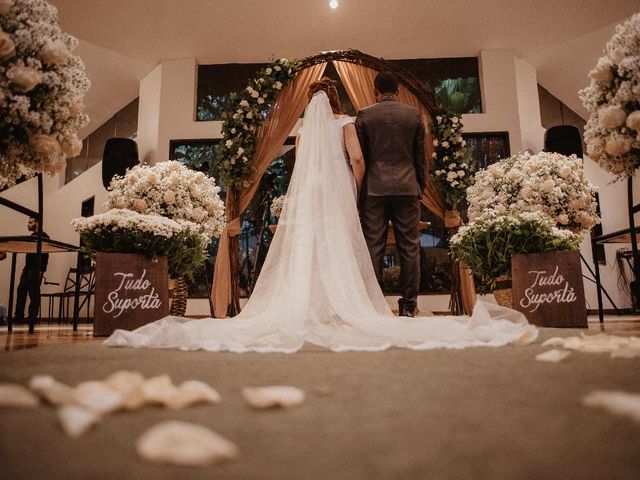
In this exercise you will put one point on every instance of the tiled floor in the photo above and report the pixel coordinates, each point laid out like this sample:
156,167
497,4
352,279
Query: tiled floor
50,334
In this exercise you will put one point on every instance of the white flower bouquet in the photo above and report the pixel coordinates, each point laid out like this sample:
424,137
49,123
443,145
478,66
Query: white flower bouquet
485,245
549,183
42,85
277,204
612,133
126,231
172,190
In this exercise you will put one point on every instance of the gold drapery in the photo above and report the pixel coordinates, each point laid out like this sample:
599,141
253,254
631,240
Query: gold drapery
283,116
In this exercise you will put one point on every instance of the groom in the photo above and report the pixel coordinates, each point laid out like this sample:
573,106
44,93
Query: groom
391,135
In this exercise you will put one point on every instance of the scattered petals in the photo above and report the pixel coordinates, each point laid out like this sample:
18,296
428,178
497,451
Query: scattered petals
51,390
553,356
275,396
129,385
75,420
16,396
97,397
183,443
618,403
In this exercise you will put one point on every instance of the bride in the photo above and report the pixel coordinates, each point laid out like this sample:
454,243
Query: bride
317,284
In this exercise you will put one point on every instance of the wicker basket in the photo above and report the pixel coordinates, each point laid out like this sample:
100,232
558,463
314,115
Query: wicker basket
502,292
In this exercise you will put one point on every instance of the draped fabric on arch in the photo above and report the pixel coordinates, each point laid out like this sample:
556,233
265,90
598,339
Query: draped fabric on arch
290,103
283,116
358,81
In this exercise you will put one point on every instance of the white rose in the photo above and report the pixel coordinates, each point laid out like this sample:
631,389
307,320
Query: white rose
454,120
439,118
198,214
277,85
260,100
139,205
268,71
500,209
618,146
195,192
461,173
563,219
617,56
76,108
445,144
463,143
44,146
5,6
526,192
531,165
153,178
513,175
277,68
169,197
71,146
24,78
602,72
633,120
436,143
574,204
7,47
233,130
240,151
496,172
119,202
255,94
283,60
565,172
548,185
611,117
249,115
55,53
244,103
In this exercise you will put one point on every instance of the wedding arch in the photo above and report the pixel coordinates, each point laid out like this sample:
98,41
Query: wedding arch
357,71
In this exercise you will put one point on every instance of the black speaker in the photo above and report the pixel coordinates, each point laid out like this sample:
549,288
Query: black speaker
119,154
564,139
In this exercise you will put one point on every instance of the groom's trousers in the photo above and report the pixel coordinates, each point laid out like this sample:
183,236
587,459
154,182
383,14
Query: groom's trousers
404,213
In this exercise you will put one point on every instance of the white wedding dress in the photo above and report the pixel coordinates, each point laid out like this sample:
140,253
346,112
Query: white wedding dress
317,284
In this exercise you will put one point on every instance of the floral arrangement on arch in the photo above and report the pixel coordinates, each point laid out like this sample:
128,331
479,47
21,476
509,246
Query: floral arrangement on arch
247,110
126,231
450,165
612,133
42,85
171,190
549,183
485,245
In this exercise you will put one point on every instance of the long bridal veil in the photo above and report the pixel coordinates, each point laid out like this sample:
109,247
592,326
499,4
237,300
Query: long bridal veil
317,284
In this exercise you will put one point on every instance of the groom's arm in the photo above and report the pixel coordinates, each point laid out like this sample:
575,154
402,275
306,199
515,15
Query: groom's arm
418,154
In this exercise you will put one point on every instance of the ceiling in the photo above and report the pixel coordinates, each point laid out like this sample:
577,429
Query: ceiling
122,40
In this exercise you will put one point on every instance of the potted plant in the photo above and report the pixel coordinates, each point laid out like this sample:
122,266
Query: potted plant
486,245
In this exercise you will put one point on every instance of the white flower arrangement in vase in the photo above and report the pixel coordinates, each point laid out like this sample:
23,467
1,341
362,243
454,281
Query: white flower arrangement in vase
42,85
550,183
172,190
612,133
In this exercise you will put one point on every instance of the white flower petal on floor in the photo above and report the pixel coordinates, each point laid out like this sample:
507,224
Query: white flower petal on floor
618,403
183,443
619,347
51,390
13,395
553,356
275,396
76,420
129,385
97,397
159,390
203,392
626,351
554,342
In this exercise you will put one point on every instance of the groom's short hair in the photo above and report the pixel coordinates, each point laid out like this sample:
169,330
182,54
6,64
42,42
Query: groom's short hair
386,82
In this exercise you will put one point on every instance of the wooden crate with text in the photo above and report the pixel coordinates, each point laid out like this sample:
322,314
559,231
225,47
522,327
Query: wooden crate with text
548,289
131,291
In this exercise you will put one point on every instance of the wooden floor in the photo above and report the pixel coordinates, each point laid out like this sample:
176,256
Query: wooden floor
52,334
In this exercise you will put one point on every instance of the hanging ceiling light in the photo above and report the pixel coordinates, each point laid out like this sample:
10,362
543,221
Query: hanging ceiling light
334,4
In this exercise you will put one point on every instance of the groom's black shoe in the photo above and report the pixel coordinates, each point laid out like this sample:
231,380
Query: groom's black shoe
406,308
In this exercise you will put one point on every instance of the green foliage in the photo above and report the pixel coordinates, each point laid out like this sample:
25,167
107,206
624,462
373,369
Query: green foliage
486,246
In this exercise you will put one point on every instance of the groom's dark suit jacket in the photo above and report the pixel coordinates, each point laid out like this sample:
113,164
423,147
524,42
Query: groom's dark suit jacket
392,138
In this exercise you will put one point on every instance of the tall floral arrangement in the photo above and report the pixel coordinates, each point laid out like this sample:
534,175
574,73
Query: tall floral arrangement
612,133
550,183
42,85
450,166
247,110
171,190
